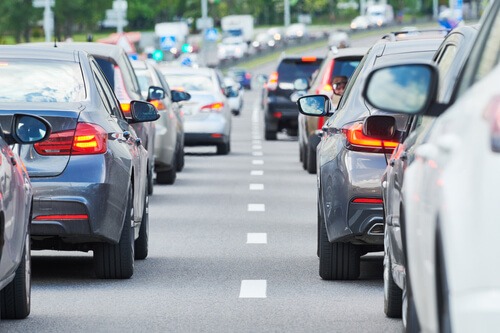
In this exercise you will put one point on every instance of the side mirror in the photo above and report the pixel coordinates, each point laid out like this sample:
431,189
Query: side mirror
143,112
28,129
155,93
300,84
232,92
408,88
315,105
380,127
179,96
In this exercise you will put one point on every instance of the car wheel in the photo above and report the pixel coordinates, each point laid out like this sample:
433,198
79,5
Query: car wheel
15,298
393,295
270,135
141,243
311,160
150,181
180,159
116,261
301,152
236,112
337,261
409,313
223,148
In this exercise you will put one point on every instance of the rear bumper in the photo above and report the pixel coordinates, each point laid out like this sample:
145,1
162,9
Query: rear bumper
281,116
203,139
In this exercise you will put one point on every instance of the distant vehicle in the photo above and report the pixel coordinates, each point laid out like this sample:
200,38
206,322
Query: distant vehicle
207,117
15,209
278,35
296,32
280,95
241,75
361,23
339,39
238,26
235,95
173,34
263,41
232,48
380,15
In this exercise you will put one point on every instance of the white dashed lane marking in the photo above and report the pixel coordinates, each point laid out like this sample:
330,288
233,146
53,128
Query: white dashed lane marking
257,172
253,289
257,238
256,207
256,147
257,162
256,187
257,153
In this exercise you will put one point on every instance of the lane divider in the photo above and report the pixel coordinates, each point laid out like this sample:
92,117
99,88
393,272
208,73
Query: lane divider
256,187
256,207
253,289
257,238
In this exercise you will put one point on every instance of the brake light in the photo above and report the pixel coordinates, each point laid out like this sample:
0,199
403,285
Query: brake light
121,91
248,76
309,59
214,107
356,138
321,122
86,139
158,104
367,200
62,217
273,81
277,115
327,87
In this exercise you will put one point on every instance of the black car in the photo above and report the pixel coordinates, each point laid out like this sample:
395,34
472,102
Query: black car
450,59
351,164
280,96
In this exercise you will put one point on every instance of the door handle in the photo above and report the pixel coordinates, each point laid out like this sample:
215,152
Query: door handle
126,134
13,160
138,141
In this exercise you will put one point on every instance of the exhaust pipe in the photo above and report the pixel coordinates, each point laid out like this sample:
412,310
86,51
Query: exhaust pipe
377,229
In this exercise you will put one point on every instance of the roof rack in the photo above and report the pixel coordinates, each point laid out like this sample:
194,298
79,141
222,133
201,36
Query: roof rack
393,36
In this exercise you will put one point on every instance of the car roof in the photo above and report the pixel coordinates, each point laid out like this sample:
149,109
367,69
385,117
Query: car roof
99,49
348,52
406,46
27,52
186,70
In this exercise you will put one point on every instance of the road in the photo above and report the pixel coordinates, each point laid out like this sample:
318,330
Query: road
232,249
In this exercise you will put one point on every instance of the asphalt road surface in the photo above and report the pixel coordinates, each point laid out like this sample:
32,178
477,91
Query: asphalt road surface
232,249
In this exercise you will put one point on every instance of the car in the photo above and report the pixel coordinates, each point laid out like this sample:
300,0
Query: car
15,209
337,64
240,75
232,48
89,177
361,23
350,165
116,65
296,32
278,35
235,95
280,96
169,129
451,210
450,59
263,41
338,39
207,116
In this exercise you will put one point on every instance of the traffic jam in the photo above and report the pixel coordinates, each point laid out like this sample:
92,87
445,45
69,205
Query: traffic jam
348,184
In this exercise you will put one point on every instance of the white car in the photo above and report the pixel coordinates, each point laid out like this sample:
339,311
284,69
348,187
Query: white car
232,48
451,218
234,95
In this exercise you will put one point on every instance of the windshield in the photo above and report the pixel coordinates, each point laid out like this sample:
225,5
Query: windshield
41,82
190,82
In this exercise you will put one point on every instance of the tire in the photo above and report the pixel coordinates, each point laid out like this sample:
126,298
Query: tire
15,298
304,158
410,317
116,261
311,160
270,135
180,159
337,261
393,295
168,177
301,152
223,148
141,243
150,180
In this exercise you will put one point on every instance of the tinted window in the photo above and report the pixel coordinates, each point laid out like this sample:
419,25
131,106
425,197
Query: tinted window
108,69
41,82
290,70
344,67
444,65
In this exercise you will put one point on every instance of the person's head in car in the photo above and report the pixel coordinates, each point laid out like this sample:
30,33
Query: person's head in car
338,84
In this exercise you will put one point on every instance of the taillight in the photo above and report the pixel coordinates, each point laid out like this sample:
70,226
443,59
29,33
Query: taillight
159,104
214,107
121,91
492,114
247,76
327,87
309,59
273,81
86,139
125,108
321,122
357,140
367,200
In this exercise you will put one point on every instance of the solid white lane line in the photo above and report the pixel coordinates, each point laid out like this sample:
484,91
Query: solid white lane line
257,173
256,187
257,162
257,153
257,238
253,289
256,207
256,147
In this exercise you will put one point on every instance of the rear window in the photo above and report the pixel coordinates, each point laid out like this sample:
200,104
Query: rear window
290,70
190,82
41,82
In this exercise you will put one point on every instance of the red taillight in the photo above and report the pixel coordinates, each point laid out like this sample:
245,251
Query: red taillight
159,104
273,81
86,139
321,122
216,135
247,76
62,217
356,138
327,87
214,107
367,200
277,115
309,59
121,91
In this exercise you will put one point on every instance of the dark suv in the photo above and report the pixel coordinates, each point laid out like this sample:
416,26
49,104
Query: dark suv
280,109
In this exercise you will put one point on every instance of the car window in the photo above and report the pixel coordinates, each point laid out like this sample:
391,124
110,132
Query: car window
491,51
291,69
444,64
344,67
145,81
351,82
164,84
190,82
108,95
41,81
